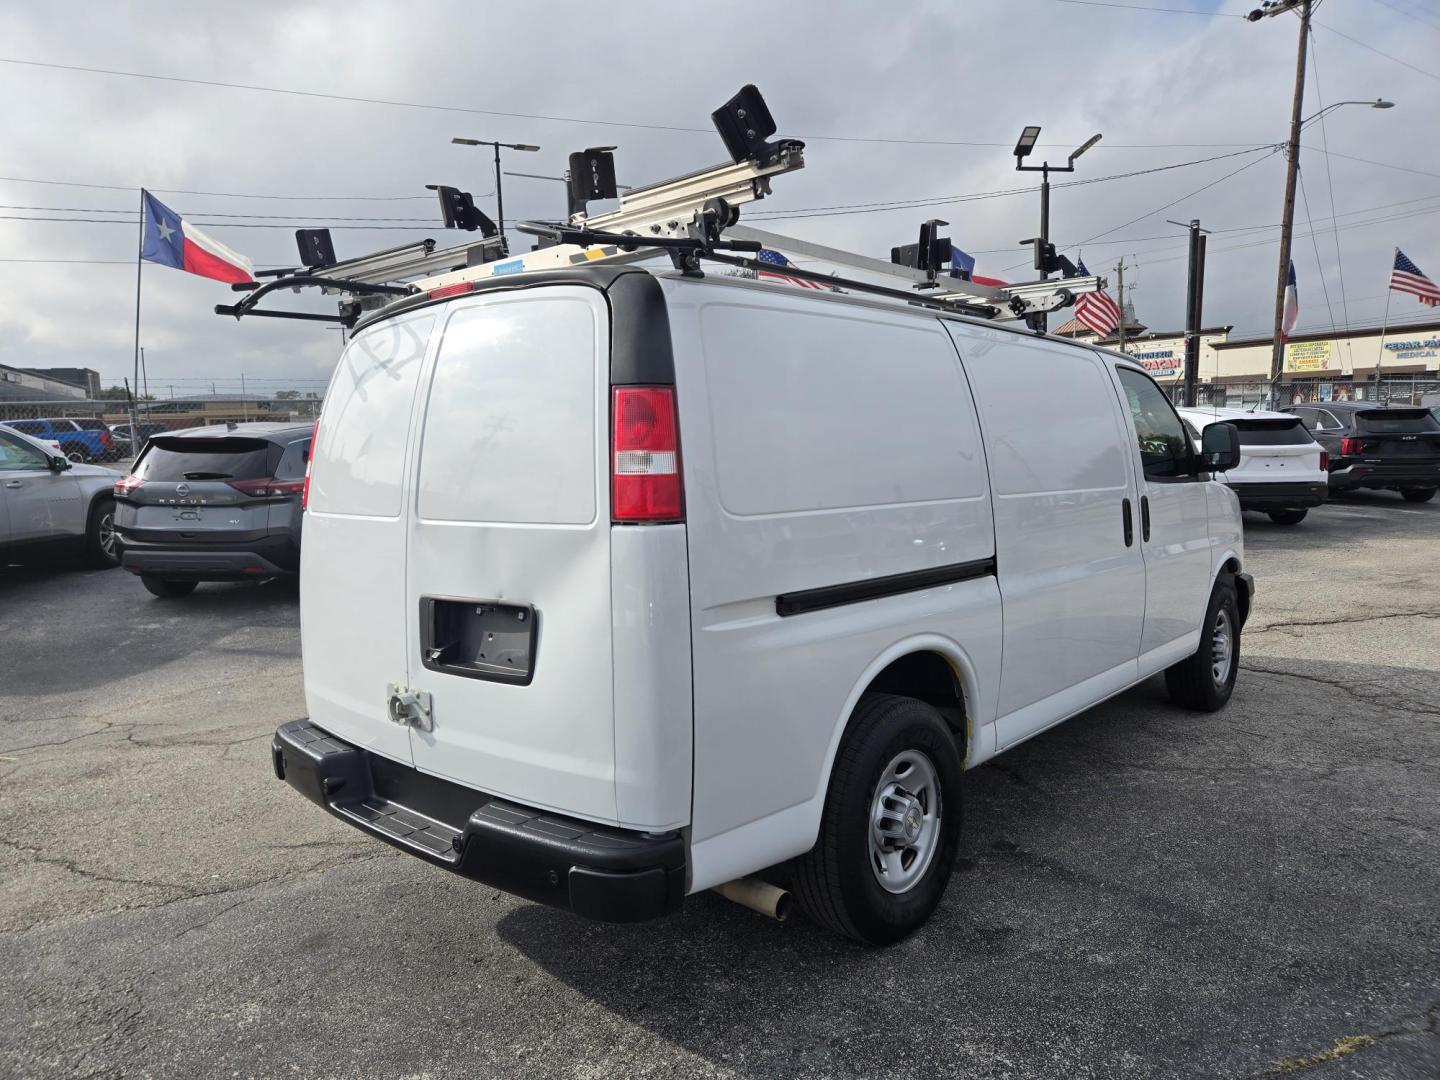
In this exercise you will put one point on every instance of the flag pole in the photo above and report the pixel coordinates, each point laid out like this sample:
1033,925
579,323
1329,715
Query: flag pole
1385,323
139,262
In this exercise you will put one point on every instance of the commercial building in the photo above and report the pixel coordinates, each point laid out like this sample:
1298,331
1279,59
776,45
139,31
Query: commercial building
1403,365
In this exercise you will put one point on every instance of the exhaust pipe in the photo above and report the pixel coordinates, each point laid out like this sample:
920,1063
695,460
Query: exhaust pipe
758,896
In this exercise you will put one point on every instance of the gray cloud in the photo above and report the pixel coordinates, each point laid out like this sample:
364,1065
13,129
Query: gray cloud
940,70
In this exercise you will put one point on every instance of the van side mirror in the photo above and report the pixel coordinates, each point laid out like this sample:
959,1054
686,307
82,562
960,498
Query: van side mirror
1219,447
59,464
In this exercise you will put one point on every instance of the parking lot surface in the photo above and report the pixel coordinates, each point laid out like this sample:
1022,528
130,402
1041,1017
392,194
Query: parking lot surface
1142,892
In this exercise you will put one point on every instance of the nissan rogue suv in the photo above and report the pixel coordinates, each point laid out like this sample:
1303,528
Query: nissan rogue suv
215,503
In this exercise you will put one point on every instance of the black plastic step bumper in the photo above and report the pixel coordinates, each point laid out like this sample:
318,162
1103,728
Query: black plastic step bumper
1397,475
600,872
1287,496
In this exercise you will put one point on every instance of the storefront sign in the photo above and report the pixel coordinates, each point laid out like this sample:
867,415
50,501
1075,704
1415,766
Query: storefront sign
1161,363
1410,352
1303,356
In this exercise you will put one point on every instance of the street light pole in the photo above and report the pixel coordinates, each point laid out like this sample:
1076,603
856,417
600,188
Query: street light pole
1023,149
499,189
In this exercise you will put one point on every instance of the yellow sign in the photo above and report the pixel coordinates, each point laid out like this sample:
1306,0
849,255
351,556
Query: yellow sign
1307,355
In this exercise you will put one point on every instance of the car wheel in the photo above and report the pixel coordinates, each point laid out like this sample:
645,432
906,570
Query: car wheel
101,549
77,455
1288,517
890,826
167,589
1417,494
1205,681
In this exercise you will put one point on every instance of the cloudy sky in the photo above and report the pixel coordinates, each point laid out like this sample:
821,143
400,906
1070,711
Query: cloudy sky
898,101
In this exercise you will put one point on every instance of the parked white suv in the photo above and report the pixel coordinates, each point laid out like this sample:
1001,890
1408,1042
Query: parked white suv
619,586
1283,471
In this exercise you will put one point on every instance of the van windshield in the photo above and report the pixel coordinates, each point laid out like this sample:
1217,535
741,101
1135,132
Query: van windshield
169,460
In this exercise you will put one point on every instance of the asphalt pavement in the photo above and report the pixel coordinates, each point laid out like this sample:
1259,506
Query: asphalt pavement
1142,892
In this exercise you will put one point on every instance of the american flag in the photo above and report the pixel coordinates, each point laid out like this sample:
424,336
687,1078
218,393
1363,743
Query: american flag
774,258
1096,310
1406,277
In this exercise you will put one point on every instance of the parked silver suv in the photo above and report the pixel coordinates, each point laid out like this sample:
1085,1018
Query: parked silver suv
50,506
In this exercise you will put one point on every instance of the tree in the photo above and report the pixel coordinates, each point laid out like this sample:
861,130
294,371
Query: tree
118,393
286,395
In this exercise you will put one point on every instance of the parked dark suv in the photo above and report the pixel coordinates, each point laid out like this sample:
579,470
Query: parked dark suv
213,504
1377,446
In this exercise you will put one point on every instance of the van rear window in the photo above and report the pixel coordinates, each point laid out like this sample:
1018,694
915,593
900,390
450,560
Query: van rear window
168,460
1396,421
1272,432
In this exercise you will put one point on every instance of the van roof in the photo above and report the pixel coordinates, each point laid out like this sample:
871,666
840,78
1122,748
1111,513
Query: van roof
604,275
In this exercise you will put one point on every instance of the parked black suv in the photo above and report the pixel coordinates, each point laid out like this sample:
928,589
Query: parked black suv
213,504
1377,446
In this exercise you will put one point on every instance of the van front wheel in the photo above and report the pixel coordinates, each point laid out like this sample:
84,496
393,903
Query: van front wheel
890,827
1205,680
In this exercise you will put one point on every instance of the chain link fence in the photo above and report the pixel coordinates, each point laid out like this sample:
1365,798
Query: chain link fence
1262,394
105,432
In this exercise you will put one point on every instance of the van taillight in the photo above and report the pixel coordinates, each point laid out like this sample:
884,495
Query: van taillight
645,455
309,458
1349,446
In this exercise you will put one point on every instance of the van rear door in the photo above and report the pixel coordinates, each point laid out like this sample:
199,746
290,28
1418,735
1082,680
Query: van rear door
508,591
352,578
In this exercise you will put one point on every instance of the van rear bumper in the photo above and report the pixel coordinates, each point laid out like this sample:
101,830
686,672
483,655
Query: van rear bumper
597,871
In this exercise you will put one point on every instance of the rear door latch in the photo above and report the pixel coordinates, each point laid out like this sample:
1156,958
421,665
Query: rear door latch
409,707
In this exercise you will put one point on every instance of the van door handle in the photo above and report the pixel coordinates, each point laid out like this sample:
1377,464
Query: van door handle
1129,523
1145,518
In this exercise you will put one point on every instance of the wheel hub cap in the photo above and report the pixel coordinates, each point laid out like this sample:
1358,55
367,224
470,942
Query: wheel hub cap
904,821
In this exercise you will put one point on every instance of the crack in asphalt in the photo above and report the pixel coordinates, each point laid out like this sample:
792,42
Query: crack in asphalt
1347,620
1351,688
1351,1044
183,891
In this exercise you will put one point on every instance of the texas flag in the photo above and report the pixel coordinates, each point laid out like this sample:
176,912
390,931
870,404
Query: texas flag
1291,310
175,242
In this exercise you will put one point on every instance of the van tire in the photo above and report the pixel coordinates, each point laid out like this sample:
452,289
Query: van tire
1192,682
167,589
1288,517
1417,494
836,882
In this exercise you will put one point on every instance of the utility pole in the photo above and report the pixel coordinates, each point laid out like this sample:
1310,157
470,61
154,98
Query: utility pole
1120,276
1194,302
1292,166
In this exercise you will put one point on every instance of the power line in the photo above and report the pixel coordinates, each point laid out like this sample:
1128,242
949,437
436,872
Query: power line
1408,14
1329,187
1371,161
1380,52
1205,187
470,110
1147,8
226,224
1315,243
843,209
132,188
211,213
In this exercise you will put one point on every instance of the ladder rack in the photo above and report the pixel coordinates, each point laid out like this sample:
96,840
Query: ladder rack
690,218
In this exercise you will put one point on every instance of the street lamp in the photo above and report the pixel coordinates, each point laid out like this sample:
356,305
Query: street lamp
499,195
1378,103
1023,148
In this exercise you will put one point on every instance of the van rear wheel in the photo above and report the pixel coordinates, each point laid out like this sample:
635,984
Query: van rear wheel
1205,680
891,824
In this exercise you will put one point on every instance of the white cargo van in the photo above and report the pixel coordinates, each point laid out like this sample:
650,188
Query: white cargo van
620,585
